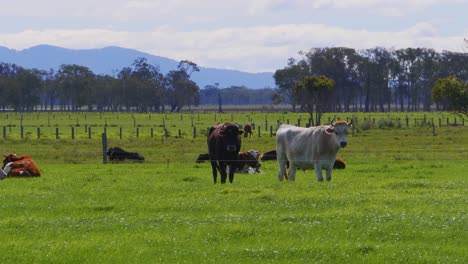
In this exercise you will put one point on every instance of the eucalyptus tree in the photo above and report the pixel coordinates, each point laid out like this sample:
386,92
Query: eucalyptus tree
286,79
151,85
341,65
126,86
106,96
453,94
454,64
140,87
26,91
181,91
75,84
312,92
408,63
8,72
210,94
50,90
378,73
427,72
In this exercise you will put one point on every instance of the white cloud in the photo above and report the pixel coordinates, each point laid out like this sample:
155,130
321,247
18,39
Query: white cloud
247,35
249,49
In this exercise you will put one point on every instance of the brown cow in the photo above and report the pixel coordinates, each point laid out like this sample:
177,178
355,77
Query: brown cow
14,165
248,162
247,130
224,144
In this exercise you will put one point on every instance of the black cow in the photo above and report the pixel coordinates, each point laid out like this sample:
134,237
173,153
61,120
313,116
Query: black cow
120,154
224,144
270,155
202,157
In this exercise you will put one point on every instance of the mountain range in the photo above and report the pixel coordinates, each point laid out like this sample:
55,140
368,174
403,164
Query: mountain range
110,60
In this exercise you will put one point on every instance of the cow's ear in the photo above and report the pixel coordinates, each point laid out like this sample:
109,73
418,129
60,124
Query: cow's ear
330,130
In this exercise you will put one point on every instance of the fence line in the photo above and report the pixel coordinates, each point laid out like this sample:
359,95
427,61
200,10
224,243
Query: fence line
264,128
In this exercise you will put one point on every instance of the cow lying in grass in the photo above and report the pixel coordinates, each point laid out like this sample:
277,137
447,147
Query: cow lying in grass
119,154
247,163
23,166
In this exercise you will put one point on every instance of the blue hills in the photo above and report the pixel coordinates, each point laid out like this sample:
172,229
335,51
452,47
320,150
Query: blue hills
110,60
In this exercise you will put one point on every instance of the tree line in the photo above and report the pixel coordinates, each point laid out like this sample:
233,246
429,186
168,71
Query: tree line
376,79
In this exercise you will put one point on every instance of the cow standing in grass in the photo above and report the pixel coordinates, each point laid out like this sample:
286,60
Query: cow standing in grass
247,130
308,148
224,144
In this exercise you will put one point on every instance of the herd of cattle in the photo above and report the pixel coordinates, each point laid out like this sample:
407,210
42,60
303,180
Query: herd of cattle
296,148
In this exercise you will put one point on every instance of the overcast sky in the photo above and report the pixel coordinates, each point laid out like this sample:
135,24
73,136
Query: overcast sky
246,35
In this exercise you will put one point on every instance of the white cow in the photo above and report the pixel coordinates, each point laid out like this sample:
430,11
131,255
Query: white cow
309,148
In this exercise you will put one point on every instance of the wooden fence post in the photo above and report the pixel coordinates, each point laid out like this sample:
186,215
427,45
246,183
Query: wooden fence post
104,148
73,132
38,133
57,133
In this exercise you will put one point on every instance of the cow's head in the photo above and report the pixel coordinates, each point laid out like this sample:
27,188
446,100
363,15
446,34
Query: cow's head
230,137
250,158
9,158
340,129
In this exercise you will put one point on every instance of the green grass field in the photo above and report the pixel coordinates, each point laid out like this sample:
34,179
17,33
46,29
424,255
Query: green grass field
401,199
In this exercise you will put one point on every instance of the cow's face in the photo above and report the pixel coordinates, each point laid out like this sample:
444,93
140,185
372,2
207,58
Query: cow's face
340,129
250,158
9,158
230,137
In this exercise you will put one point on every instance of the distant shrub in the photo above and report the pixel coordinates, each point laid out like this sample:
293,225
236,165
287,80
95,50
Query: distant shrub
365,125
389,123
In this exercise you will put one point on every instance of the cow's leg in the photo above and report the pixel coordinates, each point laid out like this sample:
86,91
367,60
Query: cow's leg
292,171
281,158
281,169
222,171
2,174
231,173
318,170
215,170
8,167
329,171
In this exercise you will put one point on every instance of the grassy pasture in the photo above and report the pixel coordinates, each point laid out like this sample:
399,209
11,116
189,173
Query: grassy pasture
401,199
